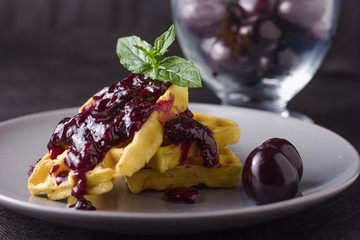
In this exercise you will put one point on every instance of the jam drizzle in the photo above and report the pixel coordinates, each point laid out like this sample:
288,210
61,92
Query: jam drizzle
184,130
117,112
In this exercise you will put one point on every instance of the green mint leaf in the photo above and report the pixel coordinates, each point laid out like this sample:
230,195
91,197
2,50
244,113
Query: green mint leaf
178,71
138,56
134,58
163,42
150,56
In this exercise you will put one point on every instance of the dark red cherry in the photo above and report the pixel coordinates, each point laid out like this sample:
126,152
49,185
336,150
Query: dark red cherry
202,16
257,7
268,176
289,151
304,13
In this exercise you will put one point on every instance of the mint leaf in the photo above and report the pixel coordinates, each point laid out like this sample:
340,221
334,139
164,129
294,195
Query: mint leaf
163,42
140,57
150,56
178,71
133,58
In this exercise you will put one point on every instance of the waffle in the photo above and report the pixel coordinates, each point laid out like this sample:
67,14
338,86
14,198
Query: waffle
119,161
189,173
148,160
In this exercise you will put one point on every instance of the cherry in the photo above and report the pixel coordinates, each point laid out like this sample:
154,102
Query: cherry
201,16
269,30
304,13
261,36
257,7
289,151
221,52
272,172
287,58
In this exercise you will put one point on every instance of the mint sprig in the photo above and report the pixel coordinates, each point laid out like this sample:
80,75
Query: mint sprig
138,56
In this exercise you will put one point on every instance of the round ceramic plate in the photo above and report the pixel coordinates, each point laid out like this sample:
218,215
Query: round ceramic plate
331,164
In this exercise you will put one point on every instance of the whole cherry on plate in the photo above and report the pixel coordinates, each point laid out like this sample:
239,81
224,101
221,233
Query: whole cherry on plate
272,172
289,150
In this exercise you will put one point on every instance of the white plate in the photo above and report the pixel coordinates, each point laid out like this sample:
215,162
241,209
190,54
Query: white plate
331,164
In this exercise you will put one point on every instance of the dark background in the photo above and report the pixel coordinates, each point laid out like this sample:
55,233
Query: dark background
55,54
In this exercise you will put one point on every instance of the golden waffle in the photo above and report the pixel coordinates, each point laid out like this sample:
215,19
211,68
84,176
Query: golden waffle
165,170
148,160
119,161
225,132
44,180
190,173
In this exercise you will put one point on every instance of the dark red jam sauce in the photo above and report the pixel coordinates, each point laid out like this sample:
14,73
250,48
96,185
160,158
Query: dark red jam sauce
54,168
118,111
184,130
116,114
186,195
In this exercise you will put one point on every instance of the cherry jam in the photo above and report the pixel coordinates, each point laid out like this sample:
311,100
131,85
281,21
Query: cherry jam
118,111
116,114
186,195
184,129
